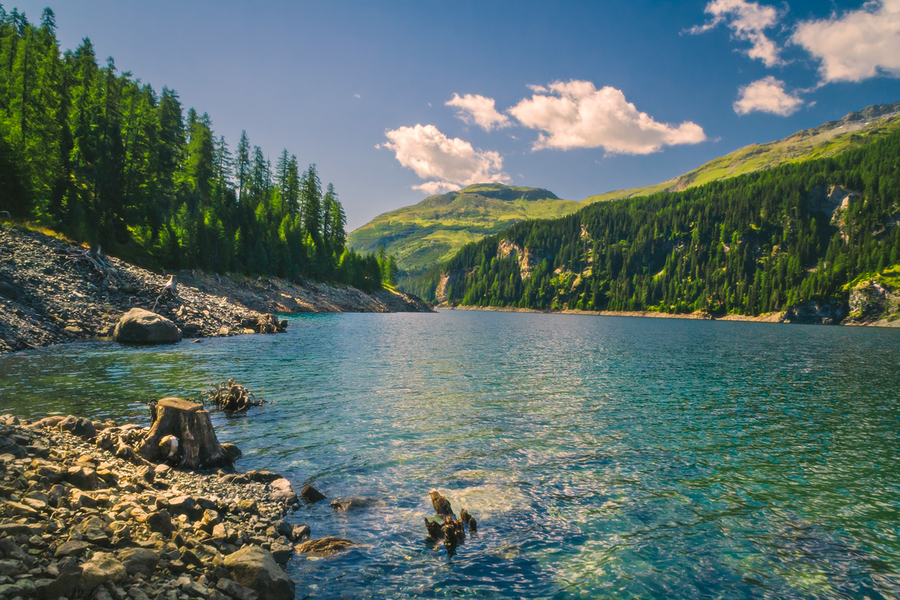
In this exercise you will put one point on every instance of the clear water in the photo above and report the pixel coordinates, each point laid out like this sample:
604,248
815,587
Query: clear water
603,457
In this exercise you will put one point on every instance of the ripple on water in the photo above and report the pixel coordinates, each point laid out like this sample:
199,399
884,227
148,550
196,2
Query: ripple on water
602,457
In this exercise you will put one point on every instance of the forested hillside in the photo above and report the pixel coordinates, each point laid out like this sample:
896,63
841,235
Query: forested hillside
752,244
98,155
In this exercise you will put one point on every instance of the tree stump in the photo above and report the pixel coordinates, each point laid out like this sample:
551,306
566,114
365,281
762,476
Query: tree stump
198,446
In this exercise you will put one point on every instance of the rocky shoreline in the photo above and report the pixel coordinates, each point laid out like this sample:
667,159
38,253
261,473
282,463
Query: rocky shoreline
83,516
53,291
807,313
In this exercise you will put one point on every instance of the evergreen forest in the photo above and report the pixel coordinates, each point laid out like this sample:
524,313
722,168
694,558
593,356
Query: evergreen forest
747,245
100,157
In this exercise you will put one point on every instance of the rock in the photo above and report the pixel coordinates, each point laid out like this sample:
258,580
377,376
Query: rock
83,478
232,451
161,522
102,567
311,495
48,422
96,531
71,548
255,568
235,590
282,553
283,492
248,506
354,502
139,561
139,326
19,510
79,426
300,532
324,546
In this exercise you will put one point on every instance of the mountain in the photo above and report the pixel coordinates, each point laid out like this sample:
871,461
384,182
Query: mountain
433,230
830,139
813,240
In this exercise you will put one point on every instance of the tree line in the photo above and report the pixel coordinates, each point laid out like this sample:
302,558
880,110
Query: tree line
99,156
748,245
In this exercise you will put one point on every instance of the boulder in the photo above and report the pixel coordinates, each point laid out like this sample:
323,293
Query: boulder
311,494
139,326
255,568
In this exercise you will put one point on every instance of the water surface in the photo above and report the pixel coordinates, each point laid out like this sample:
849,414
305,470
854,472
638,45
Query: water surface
603,456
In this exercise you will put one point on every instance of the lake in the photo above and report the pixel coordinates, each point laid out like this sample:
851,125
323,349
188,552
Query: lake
605,457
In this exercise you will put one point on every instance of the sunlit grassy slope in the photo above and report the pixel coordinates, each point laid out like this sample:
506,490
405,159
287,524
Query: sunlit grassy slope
834,137
433,230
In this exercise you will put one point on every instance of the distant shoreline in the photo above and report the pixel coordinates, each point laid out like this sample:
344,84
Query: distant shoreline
775,317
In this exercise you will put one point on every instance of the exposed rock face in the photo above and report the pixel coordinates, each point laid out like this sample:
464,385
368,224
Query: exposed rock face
139,326
255,568
813,313
874,300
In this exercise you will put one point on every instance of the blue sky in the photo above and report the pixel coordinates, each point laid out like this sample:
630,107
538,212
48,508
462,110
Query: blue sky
587,97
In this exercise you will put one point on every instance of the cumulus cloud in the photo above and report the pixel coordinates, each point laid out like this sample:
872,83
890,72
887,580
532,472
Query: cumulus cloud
478,110
747,21
450,163
767,95
857,45
577,115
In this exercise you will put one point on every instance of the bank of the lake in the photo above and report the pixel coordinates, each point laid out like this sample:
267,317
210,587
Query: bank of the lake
621,458
52,292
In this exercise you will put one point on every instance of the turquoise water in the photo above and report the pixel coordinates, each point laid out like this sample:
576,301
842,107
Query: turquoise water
602,456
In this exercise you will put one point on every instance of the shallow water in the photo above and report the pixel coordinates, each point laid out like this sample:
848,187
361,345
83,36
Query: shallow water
603,456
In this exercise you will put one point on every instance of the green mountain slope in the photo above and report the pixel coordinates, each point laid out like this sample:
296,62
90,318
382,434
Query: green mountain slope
794,238
830,139
434,229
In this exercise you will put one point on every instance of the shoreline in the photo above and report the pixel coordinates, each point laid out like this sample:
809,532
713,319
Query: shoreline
775,317
53,292
80,511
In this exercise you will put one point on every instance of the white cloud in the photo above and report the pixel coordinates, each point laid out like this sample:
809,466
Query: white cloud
478,110
767,95
577,115
450,163
857,45
748,21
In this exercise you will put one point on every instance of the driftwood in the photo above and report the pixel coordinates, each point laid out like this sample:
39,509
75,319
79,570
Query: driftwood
230,396
196,445
444,525
171,289
93,257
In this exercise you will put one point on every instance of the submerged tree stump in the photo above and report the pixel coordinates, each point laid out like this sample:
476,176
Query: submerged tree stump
197,446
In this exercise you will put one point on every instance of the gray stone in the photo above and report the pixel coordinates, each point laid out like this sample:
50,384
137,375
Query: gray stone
235,590
96,531
139,326
72,548
139,560
283,492
255,568
102,567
